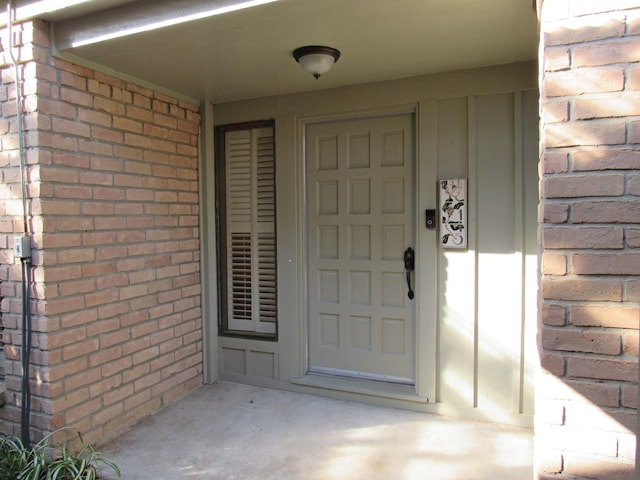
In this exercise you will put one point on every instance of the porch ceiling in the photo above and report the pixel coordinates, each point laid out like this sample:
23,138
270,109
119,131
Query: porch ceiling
246,53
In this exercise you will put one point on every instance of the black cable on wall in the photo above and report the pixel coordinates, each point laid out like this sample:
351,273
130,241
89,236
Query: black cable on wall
23,251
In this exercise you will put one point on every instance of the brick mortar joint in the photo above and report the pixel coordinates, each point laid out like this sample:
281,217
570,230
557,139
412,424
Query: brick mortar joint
598,303
605,198
568,354
603,252
595,148
622,39
568,202
590,328
568,251
186,107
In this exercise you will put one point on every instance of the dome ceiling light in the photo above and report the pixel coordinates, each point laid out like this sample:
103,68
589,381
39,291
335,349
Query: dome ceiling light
316,60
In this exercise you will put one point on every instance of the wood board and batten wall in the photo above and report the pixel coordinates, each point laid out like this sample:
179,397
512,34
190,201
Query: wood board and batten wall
475,320
487,294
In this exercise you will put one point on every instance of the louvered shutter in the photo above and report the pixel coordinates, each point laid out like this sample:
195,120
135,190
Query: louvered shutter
250,230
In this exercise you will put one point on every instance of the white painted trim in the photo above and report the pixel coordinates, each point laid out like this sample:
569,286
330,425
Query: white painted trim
350,374
427,253
519,242
472,204
138,17
409,108
208,246
373,388
37,9
302,253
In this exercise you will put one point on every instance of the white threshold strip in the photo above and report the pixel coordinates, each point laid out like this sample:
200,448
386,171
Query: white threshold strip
335,372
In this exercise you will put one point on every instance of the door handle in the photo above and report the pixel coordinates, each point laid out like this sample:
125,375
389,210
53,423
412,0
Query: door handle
409,266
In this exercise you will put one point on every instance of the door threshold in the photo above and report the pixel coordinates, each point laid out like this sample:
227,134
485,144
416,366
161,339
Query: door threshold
360,386
340,373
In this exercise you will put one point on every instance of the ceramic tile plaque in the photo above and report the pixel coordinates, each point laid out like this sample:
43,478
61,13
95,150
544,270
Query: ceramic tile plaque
453,213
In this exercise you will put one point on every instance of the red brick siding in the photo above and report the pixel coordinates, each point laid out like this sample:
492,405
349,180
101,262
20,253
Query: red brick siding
11,223
116,248
586,410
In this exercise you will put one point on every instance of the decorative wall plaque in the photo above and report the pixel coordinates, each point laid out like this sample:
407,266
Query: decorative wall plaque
453,213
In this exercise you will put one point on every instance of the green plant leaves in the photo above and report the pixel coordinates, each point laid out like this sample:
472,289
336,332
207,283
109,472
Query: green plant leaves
49,460
13,457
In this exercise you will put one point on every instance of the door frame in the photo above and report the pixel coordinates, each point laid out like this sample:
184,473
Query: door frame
425,355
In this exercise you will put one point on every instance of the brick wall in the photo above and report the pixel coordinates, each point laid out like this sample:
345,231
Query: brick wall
590,215
113,187
11,223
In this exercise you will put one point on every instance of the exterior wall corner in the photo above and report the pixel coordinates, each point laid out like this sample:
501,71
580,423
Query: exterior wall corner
111,173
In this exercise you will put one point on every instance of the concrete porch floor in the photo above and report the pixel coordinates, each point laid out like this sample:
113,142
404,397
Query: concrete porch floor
238,432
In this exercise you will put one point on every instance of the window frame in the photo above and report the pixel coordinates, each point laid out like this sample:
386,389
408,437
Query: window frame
220,132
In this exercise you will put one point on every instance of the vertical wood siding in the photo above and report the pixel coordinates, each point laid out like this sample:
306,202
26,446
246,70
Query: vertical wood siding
477,307
486,293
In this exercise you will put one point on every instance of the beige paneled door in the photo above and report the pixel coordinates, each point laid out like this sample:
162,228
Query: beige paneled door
360,214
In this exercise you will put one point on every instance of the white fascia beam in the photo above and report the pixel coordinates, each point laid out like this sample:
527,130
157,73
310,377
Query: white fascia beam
23,10
27,10
138,17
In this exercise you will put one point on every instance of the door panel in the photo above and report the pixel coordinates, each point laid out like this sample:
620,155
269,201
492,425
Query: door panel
360,220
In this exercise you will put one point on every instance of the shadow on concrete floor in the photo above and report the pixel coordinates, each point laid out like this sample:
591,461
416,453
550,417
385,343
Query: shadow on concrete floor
230,431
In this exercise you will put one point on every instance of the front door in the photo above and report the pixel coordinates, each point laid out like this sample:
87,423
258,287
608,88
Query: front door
360,214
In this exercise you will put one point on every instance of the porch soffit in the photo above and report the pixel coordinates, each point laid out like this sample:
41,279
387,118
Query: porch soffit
192,48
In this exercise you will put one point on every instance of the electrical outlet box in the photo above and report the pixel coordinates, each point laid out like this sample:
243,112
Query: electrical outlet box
22,246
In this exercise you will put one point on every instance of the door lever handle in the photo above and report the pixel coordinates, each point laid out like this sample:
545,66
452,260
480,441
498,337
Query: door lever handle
409,266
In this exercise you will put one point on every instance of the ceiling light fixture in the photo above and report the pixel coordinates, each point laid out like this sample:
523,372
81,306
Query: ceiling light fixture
315,59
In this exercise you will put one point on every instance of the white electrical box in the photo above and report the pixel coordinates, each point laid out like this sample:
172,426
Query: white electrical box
22,246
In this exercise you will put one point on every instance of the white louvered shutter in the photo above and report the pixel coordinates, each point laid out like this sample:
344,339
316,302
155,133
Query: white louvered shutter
251,232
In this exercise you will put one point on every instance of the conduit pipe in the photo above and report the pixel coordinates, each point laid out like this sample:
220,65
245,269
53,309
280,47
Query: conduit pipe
25,256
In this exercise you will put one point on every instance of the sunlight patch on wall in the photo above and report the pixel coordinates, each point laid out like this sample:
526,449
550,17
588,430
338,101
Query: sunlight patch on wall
560,23
483,364
571,408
